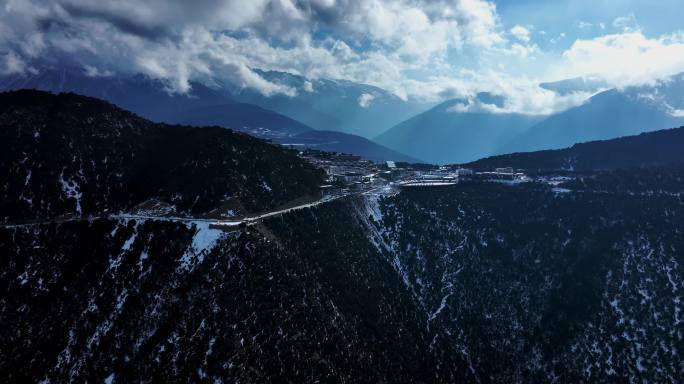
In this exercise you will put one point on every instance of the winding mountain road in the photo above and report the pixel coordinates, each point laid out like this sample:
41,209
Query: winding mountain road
228,223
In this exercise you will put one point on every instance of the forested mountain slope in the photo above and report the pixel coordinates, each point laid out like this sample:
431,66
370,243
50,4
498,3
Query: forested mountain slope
474,282
331,141
647,149
72,155
530,284
479,282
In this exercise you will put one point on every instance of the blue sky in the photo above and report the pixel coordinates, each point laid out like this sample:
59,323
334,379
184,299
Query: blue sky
656,17
425,50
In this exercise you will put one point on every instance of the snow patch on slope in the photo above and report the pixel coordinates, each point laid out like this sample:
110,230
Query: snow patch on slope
371,216
71,190
203,242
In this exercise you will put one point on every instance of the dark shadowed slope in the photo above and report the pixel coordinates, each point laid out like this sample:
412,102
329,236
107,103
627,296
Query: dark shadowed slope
647,149
476,282
73,155
346,143
247,118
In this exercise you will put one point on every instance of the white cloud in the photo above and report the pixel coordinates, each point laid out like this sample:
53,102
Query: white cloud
624,59
12,64
522,51
480,19
521,94
421,49
460,107
365,100
521,33
676,112
179,41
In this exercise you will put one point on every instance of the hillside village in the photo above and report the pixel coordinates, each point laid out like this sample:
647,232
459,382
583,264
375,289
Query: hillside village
348,173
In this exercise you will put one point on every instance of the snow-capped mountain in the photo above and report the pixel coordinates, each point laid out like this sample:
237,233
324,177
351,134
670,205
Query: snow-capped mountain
609,114
334,105
455,132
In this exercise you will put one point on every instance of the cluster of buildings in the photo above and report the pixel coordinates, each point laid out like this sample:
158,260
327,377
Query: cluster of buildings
345,172
504,174
441,176
352,173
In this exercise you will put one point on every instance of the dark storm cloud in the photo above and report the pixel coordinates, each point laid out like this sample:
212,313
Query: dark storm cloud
123,21
403,46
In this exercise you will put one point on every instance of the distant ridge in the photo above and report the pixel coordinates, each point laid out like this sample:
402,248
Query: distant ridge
247,118
445,135
266,124
647,149
204,106
607,115
345,143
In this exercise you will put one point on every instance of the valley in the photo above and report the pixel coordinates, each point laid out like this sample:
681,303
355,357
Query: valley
440,271
341,192
254,262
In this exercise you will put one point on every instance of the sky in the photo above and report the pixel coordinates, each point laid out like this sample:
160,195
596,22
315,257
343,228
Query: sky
423,50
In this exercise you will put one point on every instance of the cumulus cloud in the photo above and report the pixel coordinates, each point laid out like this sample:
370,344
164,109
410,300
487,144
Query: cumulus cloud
521,33
624,59
180,41
513,94
412,48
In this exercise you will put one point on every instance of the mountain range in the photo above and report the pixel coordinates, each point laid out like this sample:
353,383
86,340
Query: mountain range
579,280
334,105
204,106
460,131
445,135
455,131
607,115
651,149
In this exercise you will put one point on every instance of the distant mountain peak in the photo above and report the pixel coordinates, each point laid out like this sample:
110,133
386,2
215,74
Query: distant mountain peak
590,84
